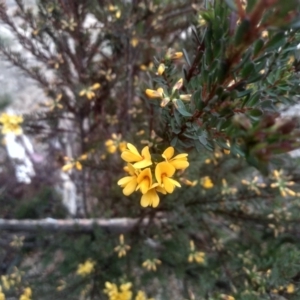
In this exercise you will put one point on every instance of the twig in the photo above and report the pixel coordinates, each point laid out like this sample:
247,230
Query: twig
117,225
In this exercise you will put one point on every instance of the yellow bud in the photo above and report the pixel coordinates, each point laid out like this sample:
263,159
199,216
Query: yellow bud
176,55
153,93
161,68
96,86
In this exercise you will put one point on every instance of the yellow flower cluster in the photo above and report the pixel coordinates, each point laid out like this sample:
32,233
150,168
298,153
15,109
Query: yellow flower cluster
141,175
2,295
197,256
122,248
151,264
123,293
86,268
74,163
11,124
115,143
26,295
90,91
166,98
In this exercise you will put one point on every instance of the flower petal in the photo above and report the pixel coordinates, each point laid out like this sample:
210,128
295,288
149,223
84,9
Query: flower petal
133,149
168,153
142,164
179,164
128,156
130,187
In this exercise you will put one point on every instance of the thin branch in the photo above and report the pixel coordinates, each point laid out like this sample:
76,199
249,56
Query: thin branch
117,225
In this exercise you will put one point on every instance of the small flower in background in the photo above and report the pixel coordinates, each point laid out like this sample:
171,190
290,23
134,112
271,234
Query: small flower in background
112,119
159,93
86,268
142,296
89,92
188,182
109,75
173,55
148,67
151,264
290,289
122,248
74,163
11,124
134,42
206,182
115,293
62,285
55,104
56,62
115,143
26,295
227,297
178,85
185,97
197,256
70,24
116,10
161,69
282,183
254,185
2,295
227,190
17,241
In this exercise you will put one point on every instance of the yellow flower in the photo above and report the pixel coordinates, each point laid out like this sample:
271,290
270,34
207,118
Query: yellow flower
142,296
163,173
89,92
161,69
122,146
290,289
178,85
188,182
197,256
151,198
129,183
206,182
179,162
27,293
131,154
5,282
110,146
134,42
86,268
176,55
254,185
74,163
227,297
11,124
186,97
155,93
144,181
151,264
113,292
122,248
17,241
2,295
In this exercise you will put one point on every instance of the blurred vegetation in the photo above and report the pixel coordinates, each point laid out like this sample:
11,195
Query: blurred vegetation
213,79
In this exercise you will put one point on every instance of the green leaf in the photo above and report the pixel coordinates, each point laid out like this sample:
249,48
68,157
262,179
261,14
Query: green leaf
186,57
242,31
276,41
231,4
258,46
174,141
181,108
248,69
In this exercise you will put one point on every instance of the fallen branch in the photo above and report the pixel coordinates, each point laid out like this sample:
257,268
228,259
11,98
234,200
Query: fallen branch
76,225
